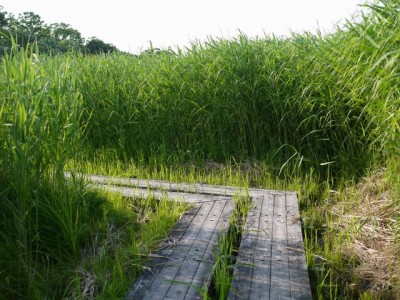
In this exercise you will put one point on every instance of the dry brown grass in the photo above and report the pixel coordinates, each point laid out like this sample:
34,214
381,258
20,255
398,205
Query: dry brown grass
371,219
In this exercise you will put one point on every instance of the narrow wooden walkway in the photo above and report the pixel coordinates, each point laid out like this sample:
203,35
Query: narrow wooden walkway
185,263
271,260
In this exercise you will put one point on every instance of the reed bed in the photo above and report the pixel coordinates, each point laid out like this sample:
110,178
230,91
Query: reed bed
321,102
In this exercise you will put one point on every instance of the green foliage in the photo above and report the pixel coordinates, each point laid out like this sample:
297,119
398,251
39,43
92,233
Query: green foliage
327,103
97,46
39,126
3,19
119,246
28,28
228,246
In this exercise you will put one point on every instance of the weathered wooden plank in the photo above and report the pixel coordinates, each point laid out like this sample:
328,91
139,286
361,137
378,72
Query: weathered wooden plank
280,278
299,280
261,276
144,193
264,267
241,282
195,255
168,269
204,270
152,269
190,259
198,188
167,274
199,257
252,281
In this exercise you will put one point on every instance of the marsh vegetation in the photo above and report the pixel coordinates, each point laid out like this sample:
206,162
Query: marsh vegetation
317,114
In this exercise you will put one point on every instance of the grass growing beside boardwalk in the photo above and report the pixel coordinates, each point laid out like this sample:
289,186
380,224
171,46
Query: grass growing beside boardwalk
118,253
310,113
98,256
352,239
59,239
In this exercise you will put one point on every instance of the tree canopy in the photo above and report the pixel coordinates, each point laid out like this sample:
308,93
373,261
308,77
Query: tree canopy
96,46
29,28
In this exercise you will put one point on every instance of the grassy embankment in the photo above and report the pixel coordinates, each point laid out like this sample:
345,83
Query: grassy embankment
315,114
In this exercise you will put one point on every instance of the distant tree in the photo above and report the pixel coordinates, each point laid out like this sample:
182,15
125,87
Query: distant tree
97,46
3,18
65,37
4,41
28,27
30,23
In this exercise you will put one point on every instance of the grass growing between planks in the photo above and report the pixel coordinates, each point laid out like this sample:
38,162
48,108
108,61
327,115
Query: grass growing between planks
227,250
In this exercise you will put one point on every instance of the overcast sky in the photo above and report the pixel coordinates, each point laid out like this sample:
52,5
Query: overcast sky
131,24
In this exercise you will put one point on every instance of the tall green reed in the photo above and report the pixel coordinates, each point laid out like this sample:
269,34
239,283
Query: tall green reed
322,102
39,129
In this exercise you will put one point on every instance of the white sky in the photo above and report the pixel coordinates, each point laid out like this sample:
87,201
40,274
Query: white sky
131,24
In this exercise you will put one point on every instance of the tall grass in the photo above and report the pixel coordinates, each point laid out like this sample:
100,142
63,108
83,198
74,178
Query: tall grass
40,119
324,102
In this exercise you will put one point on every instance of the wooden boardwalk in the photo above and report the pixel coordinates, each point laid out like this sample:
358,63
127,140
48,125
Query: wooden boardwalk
270,263
184,265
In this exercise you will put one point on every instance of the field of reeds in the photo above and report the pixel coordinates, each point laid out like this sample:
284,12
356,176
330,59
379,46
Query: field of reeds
318,114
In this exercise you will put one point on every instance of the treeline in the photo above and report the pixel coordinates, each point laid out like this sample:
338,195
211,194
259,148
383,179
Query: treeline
29,28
